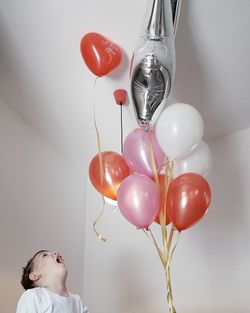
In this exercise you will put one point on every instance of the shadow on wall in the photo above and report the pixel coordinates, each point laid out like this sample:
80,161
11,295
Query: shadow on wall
227,222
16,88
133,290
38,193
190,84
10,290
19,86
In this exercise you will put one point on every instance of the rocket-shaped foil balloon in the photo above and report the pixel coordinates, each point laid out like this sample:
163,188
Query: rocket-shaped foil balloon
153,65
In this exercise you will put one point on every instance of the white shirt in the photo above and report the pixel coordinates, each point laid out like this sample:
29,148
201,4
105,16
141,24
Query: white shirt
42,300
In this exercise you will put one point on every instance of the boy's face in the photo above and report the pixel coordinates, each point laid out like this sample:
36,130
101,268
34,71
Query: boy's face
48,265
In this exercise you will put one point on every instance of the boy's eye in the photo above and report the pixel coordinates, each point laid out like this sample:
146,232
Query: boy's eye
45,254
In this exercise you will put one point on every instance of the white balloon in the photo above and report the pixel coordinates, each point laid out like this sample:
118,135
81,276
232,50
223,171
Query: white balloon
198,161
169,101
179,129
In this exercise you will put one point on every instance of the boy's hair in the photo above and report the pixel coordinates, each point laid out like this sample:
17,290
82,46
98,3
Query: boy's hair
26,282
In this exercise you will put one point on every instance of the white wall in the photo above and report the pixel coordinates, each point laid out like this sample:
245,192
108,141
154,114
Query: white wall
210,268
41,205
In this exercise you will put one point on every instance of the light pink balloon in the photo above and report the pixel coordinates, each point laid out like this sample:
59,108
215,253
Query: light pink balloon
138,199
137,151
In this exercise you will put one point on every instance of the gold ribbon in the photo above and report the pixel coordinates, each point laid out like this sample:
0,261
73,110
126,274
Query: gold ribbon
166,253
100,237
114,209
98,138
152,160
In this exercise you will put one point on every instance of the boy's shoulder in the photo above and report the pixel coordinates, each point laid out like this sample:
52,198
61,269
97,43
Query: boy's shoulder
33,292
40,299
37,296
30,293
42,294
31,298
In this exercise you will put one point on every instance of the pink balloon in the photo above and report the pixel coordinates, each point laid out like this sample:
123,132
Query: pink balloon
137,151
138,199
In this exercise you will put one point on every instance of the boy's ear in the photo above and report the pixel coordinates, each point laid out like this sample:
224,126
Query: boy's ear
34,276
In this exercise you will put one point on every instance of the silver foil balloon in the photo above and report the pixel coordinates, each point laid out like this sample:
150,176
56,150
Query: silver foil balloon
153,67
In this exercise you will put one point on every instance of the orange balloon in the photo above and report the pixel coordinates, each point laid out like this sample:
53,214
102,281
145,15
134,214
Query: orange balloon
188,199
114,170
100,54
163,194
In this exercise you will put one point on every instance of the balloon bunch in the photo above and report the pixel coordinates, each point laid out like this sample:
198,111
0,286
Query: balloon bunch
178,130
160,175
182,194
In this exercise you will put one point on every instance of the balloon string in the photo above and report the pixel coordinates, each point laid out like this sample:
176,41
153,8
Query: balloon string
100,165
163,210
121,131
152,161
162,165
115,207
175,245
167,180
97,220
98,136
163,213
166,254
168,277
153,240
170,238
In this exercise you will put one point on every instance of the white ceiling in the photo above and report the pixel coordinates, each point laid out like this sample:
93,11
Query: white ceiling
213,48
43,76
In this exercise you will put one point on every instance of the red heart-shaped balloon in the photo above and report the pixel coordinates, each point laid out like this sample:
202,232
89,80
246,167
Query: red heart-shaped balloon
99,54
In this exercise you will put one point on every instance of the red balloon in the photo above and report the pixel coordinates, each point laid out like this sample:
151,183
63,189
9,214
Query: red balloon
188,199
100,54
163,194
114,170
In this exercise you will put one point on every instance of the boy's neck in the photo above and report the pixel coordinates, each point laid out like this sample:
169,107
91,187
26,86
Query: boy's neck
60,289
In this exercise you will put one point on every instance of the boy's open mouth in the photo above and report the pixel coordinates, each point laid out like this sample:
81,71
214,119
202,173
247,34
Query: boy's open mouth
59,259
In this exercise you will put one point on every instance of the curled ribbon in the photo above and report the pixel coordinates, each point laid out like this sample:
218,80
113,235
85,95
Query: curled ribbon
166,253
100,237
96,221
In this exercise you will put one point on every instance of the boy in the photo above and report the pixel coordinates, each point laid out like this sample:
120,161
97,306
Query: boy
44,279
